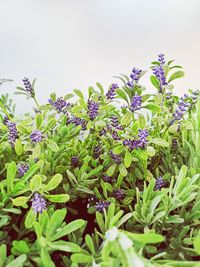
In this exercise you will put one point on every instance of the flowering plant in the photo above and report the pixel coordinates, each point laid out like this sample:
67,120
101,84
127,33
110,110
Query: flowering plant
111,179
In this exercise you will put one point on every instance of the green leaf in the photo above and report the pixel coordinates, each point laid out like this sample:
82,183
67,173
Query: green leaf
100,87
20,201
21,246
3,251
121,94
46,259
11,172
89,243
111,169
30,218
127,159
147,238
32,171
99,125
18,147
127,118
151,151
123,170
159,142
176,75
39,120
64,246
196,243
54,182
68,229
35,183
52,145
153,108
18,262
118,149
81,258
155,82
51,124
61,198
79,93
55,222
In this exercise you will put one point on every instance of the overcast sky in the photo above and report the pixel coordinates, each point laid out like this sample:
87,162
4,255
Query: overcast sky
70,44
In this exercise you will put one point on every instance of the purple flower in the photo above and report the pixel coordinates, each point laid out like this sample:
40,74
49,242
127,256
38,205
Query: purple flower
183,105
136,103
28,87
119,194
75,161
96,152
102,132
117,159
161,59
115,123
101,205
13,133
143,134
107,179
93,108
38,203
132,144
135,76
59,104
77,121
115,135
160,183
22,168
111,92
5,120
36,136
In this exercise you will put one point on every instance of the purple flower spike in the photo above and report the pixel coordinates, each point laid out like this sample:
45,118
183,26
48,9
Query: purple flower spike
183,106
93,108
119,194
111,92
161,59
136,103
96,152
75,161
101,205
38,203
36,136
117,159
59,104
13,133
22,168
143,134
135,76
77,121
115,136
28,87
160,183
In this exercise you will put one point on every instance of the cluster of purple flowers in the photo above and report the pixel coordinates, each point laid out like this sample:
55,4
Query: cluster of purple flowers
28,87
183,105
96,152
138,143
38,203
194,96
59,104
75,161
135,76
111,92
107,179
117,159
93,109
77,121
22,168
119,194
36,136
160,183
136,103
101,205
12,130
158,71
115,123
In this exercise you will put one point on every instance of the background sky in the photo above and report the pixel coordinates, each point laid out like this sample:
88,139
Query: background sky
69,44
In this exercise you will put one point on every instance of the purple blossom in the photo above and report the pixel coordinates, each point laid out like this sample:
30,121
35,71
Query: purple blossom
75,161
132,144
22,168
117,159
93,108
161,59
5,120
59,104
183,105
115,123
36,136
143,134
28,87
136,103
119,194
101,205
77,121
38,203
135,76
107,179
102,132
115,136
111,92
13,133
160,183
96,152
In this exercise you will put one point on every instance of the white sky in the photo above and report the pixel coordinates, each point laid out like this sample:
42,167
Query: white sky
70,44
